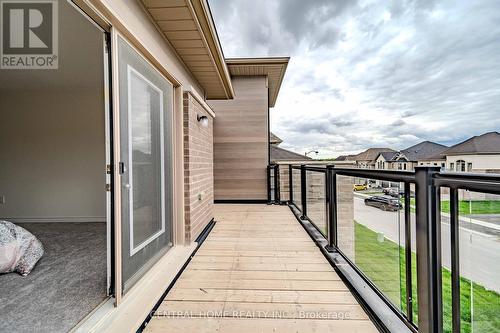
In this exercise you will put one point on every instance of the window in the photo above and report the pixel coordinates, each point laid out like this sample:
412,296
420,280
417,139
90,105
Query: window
460,166
452,166
469,167
145,107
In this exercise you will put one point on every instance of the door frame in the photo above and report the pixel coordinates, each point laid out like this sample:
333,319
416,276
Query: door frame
177,147
105,17
94,19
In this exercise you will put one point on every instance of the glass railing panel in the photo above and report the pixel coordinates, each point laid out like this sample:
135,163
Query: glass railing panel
371,233
479,261
296,188
284,183
316,200
271,183
410,253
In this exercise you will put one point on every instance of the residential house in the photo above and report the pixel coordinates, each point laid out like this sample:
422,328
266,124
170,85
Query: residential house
344,158
385,160
423,153
434,160
279,154
479,154
367,159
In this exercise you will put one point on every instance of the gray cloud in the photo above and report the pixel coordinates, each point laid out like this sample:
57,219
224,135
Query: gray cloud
382,73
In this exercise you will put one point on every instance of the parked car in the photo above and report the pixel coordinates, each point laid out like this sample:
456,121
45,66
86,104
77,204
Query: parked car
393,191
360,187
384,203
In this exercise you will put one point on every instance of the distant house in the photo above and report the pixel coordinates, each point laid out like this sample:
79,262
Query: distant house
385,160
423,153
479,154
434,160
279,154
345,158
367,159
274,139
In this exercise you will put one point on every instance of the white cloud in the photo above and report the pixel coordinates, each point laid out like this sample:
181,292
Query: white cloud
373,73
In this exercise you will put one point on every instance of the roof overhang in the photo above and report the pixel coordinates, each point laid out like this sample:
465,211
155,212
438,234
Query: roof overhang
188,26
273,68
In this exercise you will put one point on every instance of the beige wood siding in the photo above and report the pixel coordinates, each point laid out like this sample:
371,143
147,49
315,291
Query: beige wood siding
241,141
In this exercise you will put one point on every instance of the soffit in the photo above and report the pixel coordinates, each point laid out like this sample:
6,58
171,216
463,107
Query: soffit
273,68
189,28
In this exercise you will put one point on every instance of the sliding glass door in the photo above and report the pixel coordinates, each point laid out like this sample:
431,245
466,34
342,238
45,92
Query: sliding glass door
145,165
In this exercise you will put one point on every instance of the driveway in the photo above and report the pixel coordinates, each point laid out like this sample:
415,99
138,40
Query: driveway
479,252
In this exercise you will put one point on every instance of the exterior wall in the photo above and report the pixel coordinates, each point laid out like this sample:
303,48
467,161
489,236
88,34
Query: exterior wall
432,163
381,163
241,136
198,168
480,163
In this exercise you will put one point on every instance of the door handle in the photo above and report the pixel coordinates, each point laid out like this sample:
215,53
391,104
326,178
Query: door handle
122,168
127,185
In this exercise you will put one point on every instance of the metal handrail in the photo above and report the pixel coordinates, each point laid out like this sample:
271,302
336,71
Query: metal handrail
428,182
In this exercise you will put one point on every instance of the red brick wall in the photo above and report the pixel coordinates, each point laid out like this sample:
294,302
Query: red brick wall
198,168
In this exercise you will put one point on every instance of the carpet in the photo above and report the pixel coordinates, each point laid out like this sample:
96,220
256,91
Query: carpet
65,285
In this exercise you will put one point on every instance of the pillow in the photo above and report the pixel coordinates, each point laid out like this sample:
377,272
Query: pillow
19,249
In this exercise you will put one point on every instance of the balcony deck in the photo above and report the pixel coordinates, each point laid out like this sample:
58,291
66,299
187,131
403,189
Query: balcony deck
258,271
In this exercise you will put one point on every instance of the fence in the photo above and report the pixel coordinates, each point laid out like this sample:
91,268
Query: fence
324,196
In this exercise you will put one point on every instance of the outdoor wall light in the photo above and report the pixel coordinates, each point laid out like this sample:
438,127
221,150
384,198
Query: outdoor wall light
203,120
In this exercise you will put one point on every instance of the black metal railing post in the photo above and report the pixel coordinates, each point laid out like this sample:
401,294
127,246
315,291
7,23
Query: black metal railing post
428,248
303,193
408,259
331,207
455,259
290,184
277,199
269,185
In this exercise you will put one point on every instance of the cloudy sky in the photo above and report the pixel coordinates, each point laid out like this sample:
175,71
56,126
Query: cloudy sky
373,73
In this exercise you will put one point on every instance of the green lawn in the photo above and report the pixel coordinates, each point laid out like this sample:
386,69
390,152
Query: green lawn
469,207
384,263
474,207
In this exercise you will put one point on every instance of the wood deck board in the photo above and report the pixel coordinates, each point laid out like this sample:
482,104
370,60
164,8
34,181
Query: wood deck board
258,271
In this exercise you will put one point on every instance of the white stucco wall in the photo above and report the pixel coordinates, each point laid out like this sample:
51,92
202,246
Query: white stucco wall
480,163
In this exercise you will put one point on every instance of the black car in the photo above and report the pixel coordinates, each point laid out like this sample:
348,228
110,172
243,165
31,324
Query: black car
384,203
394,191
